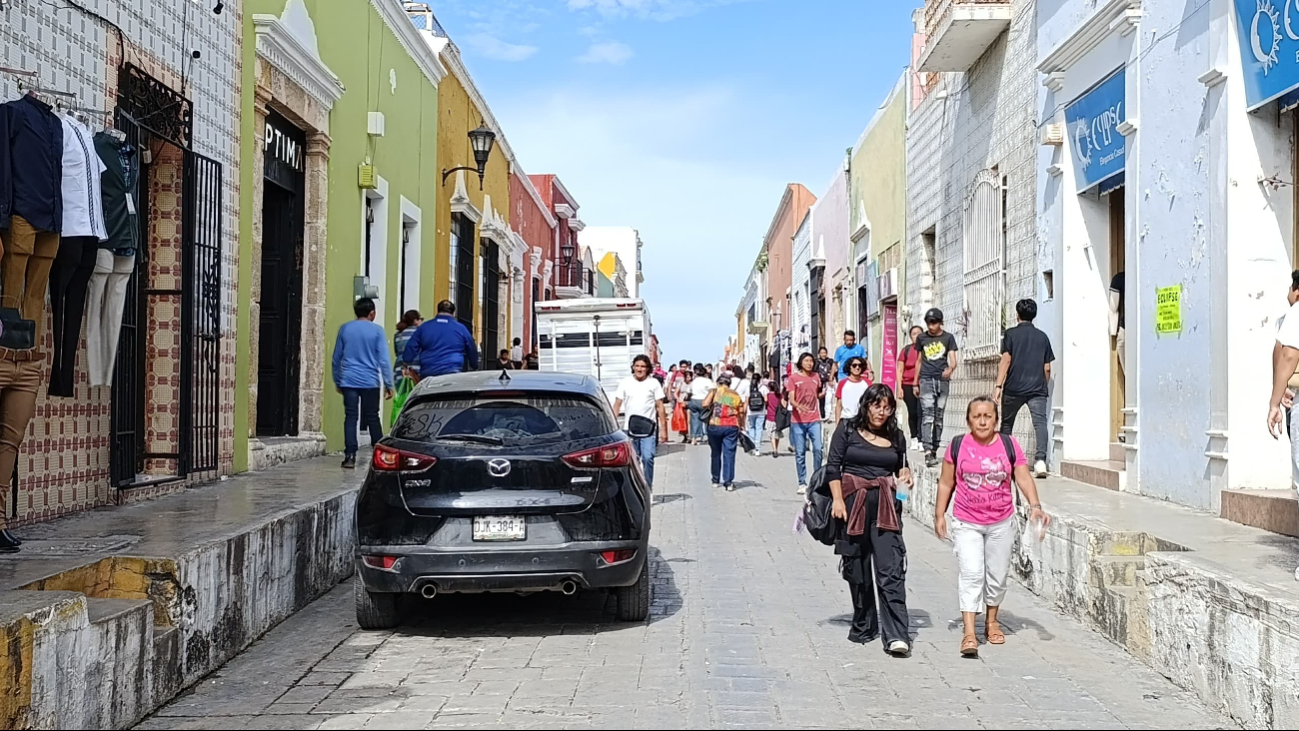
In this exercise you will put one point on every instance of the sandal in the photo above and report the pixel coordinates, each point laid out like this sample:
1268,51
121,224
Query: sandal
970,646
994,633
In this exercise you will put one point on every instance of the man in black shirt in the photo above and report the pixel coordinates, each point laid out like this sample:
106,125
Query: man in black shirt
937,363
1026,357
828,370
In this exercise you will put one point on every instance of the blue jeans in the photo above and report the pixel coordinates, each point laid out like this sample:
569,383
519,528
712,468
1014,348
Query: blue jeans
646,448
362,403
722,441
757,422
799,436
698,428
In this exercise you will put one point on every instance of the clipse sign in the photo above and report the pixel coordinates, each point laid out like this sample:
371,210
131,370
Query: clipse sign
1092,128
1269,48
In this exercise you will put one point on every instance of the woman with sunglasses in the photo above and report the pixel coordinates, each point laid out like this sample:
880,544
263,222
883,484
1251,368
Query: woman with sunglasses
978,469
850,390
868,458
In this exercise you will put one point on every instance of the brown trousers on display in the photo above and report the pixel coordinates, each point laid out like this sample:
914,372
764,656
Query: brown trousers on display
25,270
19,381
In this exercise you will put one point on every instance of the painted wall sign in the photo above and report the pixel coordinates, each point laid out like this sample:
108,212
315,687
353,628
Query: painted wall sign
1168,310
1092,129
1269,48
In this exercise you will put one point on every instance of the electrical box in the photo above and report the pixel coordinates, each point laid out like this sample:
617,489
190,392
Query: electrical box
367,177
375,127
361,287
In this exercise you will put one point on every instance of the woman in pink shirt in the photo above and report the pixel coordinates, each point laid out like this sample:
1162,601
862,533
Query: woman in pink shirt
978,469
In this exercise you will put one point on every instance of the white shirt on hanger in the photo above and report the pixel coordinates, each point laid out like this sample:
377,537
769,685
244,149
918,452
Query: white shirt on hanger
83,205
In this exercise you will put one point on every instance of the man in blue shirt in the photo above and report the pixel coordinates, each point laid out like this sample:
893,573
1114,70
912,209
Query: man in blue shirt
850,349
361,365
442,345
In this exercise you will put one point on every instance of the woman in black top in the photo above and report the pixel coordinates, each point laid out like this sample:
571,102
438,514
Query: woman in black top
868,457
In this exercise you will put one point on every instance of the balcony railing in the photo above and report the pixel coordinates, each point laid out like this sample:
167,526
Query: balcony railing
958,32
575,276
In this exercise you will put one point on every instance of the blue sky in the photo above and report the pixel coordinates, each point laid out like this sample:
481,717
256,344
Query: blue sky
684,119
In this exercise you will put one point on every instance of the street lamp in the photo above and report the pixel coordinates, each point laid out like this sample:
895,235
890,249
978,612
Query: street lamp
482,140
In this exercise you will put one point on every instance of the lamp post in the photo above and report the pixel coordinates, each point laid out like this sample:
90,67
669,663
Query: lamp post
482,140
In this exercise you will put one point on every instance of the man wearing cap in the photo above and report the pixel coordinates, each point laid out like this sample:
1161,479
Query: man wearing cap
937,363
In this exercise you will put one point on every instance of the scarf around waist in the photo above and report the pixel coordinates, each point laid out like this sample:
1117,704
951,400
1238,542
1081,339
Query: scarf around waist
886,517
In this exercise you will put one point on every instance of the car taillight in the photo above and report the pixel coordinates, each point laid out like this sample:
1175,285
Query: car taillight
613,557
380,562
614,455
387,459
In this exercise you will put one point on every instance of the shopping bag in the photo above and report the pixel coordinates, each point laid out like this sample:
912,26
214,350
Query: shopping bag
680,422
401,393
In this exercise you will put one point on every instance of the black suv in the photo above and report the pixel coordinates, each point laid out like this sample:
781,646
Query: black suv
502,483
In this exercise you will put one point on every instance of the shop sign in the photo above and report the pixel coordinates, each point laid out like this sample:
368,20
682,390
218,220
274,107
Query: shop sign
1168,310
1268,31
1092,128
889,367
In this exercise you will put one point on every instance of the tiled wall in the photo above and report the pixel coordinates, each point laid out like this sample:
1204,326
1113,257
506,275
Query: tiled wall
985,119
65,460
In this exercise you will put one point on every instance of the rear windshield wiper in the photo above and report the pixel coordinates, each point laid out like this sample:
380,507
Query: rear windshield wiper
480,439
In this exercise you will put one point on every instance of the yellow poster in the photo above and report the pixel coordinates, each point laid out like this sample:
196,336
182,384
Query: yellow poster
1168,310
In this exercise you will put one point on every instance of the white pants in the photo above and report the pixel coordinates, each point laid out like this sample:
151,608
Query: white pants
1121,345
983,553
105,301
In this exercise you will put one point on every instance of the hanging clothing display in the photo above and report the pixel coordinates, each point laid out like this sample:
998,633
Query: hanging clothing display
25,269
106,303
35,163
19,381
83,209
69,285
120,185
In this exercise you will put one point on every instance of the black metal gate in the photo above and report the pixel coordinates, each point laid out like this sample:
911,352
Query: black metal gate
200,371
126,447
464,294
491,295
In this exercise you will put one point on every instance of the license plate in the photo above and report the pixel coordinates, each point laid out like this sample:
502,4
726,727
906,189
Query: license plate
500,528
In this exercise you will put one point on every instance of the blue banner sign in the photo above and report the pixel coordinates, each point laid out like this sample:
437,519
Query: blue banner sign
1093,119
1269,48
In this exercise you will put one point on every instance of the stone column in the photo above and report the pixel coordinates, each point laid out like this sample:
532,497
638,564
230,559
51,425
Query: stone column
314,261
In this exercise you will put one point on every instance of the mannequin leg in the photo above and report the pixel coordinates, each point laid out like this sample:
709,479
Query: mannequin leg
95,336
115,304
18,384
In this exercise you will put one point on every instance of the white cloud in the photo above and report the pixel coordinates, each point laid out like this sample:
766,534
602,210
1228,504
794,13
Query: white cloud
489,46
653,9
612,52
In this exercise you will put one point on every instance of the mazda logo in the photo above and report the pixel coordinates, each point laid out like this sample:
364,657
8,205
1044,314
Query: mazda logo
498,467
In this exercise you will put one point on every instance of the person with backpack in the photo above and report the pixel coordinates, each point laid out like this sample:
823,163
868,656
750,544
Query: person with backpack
756,399
868,458
977,473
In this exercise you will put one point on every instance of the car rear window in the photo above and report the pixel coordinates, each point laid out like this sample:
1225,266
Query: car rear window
512,419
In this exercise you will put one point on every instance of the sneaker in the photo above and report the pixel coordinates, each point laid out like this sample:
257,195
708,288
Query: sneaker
1296,574
1040,468
931,459
898,648
802,489
349,462
729,487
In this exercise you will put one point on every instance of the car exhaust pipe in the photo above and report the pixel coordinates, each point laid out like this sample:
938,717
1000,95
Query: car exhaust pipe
568,588
429,591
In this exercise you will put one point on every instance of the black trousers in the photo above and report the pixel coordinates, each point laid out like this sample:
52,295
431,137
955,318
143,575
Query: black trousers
887,551
1011,403
69,280
911,396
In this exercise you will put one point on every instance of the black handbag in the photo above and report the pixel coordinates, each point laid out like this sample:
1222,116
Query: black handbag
817,511
15,332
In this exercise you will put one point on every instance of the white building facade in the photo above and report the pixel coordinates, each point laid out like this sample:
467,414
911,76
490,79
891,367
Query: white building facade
800,316
623,241
1171,159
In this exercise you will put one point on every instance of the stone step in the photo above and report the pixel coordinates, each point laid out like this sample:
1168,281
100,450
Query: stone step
116,678
1108,474
1271,510
1118,453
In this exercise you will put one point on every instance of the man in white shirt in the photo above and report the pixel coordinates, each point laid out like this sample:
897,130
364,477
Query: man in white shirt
1285,363
643,396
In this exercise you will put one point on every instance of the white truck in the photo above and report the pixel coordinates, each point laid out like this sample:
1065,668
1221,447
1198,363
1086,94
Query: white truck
598,337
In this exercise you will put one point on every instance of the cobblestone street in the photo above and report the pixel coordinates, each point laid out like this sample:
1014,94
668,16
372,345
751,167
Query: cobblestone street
748,631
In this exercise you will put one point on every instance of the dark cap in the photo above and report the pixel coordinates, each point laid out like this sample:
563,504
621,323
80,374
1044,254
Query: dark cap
934,315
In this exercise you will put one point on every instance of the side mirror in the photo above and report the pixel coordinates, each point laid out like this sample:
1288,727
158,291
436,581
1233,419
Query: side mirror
639,427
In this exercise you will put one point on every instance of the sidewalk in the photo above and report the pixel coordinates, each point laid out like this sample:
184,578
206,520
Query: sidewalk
1210,604
107,614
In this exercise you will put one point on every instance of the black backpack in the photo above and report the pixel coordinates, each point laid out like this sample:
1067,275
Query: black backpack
817,518
1005,441
757,402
